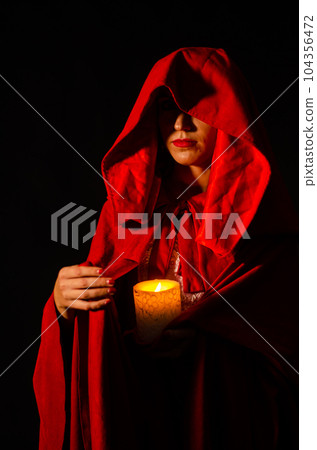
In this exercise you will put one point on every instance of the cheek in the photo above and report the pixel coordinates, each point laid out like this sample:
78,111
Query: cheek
163,129
209,139
166,126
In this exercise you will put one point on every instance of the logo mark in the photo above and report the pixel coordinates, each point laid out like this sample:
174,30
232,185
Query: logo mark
63,220
231,227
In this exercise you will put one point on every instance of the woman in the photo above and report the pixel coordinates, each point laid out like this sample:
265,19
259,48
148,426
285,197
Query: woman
222,375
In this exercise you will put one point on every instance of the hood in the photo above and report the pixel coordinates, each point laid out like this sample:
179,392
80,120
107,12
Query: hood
207,85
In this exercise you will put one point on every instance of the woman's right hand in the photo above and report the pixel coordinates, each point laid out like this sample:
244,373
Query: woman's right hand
82,287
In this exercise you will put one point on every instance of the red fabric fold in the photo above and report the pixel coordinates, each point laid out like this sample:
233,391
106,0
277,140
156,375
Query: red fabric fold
195,259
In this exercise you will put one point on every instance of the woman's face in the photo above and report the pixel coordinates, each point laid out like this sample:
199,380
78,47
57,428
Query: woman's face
189,140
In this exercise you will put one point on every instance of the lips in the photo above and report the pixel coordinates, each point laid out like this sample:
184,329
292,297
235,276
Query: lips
184,142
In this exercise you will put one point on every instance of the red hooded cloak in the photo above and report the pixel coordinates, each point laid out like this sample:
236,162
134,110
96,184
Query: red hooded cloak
232,384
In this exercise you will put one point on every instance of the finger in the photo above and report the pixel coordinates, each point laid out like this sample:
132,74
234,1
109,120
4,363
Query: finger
82,271
88,294
90,306
88,282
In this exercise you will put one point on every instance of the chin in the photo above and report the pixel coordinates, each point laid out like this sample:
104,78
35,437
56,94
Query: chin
183,158
186,163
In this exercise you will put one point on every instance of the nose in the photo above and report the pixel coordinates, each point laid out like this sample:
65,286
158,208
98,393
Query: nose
183,122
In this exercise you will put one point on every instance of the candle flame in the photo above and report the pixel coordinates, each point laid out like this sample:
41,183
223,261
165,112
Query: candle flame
158,287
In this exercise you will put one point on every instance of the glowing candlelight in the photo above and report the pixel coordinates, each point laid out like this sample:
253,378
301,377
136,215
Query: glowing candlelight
157,302
158,287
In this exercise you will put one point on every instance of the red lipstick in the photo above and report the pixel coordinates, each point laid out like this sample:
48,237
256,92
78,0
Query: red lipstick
184,142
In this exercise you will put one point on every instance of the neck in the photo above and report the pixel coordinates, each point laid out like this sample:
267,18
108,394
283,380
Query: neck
183,176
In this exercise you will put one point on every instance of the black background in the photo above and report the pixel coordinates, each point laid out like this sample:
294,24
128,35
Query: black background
81,66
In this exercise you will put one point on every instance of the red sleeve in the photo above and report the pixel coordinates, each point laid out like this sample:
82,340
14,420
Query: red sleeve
49,381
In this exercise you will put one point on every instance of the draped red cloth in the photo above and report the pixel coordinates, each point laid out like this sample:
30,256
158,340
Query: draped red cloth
223,375
195,278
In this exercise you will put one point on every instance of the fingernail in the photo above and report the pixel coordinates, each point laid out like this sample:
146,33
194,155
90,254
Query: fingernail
107,301
100,270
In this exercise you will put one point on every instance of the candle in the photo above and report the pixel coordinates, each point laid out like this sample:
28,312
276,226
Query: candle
157,302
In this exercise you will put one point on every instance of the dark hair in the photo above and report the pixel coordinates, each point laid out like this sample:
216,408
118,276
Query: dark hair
164,161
